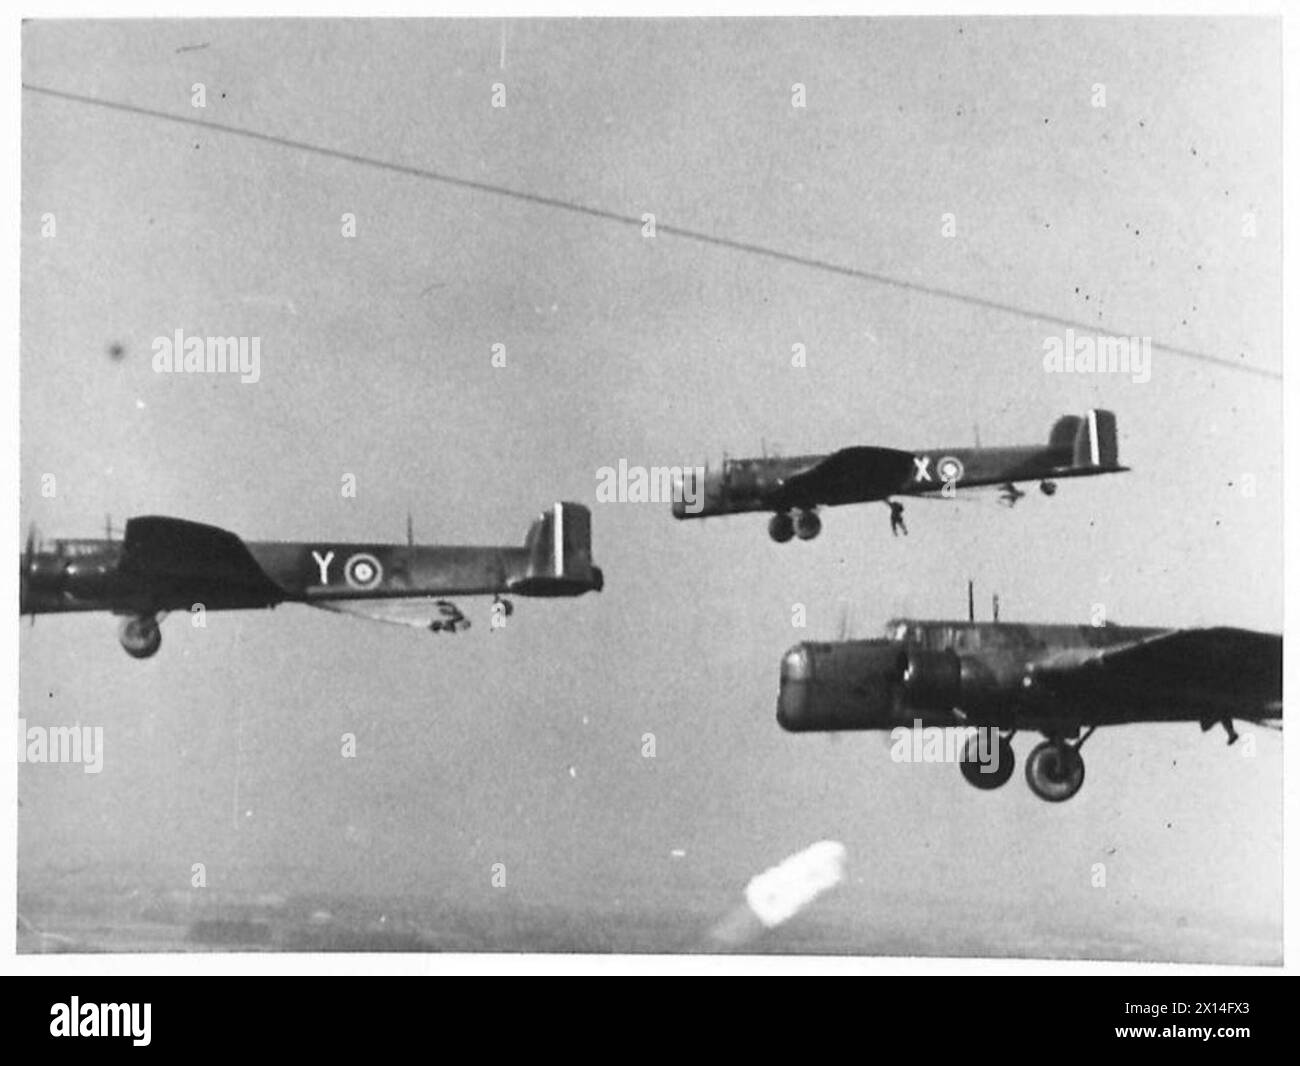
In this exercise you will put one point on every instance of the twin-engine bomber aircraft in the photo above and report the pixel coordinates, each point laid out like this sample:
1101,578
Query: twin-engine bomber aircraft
795,487
169,564
1052,679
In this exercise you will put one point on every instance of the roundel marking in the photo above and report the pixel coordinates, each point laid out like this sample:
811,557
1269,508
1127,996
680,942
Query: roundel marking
949,468
363,571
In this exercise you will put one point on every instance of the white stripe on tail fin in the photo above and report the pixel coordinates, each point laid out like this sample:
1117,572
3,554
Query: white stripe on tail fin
1096,445
559,540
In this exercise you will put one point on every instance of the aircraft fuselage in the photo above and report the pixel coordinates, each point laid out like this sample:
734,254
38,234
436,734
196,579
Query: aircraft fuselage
1009,675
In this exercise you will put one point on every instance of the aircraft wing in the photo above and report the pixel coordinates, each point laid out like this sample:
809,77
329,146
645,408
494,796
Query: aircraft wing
1233,668
850,475
175,554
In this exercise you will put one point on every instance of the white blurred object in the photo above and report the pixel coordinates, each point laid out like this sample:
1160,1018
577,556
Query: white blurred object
778,894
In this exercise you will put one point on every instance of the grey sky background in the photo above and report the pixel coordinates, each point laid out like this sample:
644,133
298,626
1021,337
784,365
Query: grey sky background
524,746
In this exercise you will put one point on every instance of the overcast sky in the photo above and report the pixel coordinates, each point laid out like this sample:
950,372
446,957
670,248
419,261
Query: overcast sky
524,747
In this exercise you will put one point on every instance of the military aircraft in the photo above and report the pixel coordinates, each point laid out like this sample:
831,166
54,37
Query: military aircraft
170,564
793,488
1058,680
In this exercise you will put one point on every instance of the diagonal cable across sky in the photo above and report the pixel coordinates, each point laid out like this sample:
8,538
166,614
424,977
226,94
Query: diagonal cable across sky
682,232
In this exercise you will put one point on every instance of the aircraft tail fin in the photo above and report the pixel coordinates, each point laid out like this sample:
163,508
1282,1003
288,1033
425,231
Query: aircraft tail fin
1064,432
1095,441
559,554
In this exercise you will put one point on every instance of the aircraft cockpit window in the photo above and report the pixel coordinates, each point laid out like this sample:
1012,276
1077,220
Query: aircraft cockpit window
77,548
938,638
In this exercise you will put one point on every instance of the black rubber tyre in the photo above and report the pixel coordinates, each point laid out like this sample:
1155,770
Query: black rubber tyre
1054,771
807,525
973,770
140,637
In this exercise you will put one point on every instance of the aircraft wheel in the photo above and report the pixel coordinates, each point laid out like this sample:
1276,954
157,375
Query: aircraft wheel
781,527
973,770
1048,487
1054,771
807,525
140,637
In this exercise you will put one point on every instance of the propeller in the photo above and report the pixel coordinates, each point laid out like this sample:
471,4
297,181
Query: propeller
39,572
25,571
847,631
844,623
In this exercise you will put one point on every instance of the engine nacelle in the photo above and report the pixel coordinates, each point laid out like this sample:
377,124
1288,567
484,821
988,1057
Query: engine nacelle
45,573
932,679
89,579
50,579
847,685
944,680
881,684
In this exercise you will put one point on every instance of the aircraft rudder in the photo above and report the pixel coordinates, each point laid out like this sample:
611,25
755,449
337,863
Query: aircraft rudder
1096,442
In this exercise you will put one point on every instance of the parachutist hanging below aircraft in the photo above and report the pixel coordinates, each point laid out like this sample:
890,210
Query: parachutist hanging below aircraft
169,564
794,488
896,523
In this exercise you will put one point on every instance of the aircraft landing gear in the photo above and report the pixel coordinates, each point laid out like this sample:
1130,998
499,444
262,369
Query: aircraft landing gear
140,636
1054,769
1048,488
781,527
994,776
807,524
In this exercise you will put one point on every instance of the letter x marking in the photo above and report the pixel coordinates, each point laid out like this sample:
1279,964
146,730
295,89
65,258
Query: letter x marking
922,467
